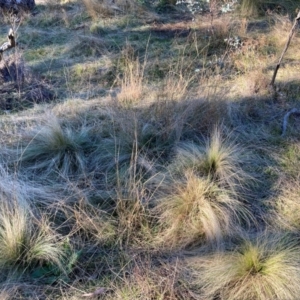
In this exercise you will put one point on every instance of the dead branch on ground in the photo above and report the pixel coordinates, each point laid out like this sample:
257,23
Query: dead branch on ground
8,45
291,34
294,111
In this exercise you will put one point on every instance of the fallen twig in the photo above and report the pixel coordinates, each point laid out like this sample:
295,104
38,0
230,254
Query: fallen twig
10,44
286,119
97,292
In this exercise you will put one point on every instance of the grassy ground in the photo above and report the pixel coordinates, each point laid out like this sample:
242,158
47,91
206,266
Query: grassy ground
142,156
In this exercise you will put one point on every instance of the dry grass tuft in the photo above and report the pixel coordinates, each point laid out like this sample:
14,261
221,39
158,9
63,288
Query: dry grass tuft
58,149
132,84
24,243
286,206
263,268
217,158
197,210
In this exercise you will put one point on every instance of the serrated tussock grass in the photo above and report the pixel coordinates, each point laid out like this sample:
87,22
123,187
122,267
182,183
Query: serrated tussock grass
26,242
198,210
265,267
217,158
56,149
223,161
137,174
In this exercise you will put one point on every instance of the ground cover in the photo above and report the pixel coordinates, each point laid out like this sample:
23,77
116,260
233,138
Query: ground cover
142,154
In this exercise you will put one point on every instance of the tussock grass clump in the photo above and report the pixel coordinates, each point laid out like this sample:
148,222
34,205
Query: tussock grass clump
197,210
263,268
218,159
130,146
223,160
56,148
24,243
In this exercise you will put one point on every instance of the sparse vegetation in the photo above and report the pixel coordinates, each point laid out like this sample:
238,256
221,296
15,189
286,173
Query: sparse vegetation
142,154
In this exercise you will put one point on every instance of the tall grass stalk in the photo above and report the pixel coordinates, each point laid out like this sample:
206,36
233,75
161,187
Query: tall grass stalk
133,80
94,224
132,84
133,197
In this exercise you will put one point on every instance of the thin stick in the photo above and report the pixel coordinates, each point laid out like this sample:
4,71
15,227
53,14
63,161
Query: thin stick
296,22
